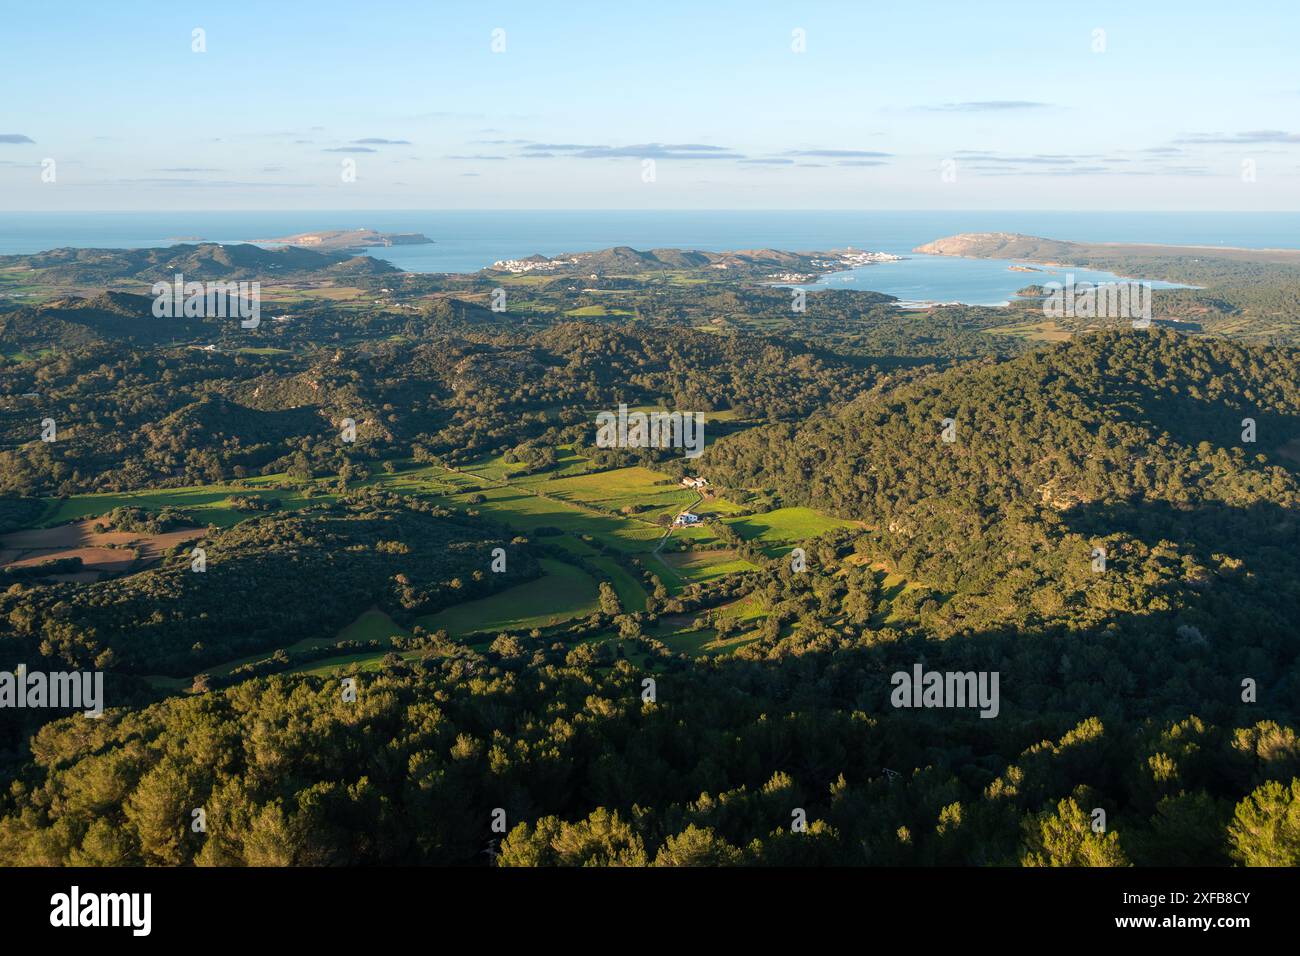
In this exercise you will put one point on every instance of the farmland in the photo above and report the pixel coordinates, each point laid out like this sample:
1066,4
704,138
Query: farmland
562,592
609,520
100,552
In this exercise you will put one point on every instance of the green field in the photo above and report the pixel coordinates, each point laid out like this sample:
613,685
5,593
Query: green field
784,528
621,488
562,593
630,593
700,642
615,509
596,311
369,661
520,508
210,504
1034,331
743,610
496,468
23,356
372,625
700,566
413,479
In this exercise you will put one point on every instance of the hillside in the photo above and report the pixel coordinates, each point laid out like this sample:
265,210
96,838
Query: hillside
1131,442
752,263
269,581
1121,684
1251,294
201,263
72,321
1011,245
348,240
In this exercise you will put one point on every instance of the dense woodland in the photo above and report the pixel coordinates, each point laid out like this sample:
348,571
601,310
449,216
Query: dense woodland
132,418
269,582
1122,688
710,773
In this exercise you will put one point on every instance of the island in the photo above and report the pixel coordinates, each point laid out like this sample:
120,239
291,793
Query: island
347,240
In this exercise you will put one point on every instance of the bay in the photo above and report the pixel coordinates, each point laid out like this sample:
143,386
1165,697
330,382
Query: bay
468,240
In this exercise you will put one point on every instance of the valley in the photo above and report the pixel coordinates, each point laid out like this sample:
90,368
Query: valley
397,482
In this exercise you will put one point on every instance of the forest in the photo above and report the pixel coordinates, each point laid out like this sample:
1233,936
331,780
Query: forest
1105,518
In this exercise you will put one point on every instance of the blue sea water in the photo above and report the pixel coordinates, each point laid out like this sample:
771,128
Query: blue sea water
465,241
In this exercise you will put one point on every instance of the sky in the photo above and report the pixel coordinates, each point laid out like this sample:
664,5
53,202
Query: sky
664,105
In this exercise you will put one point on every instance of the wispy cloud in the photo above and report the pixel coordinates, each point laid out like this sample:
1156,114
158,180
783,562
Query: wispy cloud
1169,170
839,153
192,183
1090,170
379,141
981,157
350,149
559,147
637,151
1252,136
693,151
659,151
985,106
15,138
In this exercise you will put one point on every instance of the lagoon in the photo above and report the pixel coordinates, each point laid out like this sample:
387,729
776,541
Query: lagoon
468,240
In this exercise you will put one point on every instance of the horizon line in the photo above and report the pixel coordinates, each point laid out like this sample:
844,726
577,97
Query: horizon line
379,209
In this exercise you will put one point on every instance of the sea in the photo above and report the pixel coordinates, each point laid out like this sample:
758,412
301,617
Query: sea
465,241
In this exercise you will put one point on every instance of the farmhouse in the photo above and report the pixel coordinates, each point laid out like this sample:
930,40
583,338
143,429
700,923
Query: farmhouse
686,519
690,482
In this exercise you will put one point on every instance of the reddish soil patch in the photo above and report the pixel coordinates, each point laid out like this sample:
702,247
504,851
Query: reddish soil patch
154,546
109,560
80,540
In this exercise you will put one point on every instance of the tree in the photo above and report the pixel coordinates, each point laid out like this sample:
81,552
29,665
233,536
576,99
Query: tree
609,603
602,839
698,846
104,845
1066,838
159,812
1265,829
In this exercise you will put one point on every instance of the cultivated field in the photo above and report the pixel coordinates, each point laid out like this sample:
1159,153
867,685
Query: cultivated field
617,509
563,592
101,552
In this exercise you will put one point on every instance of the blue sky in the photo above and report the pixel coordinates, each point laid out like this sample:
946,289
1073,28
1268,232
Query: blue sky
1012,100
